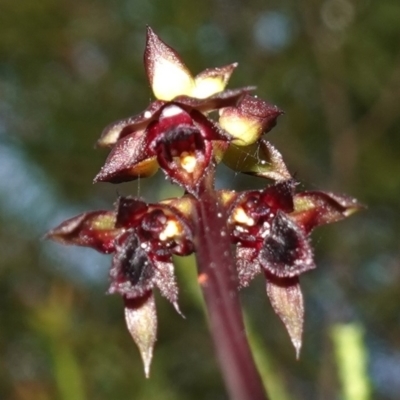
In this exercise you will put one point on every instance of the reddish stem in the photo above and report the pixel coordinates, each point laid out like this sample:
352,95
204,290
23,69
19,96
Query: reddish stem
218,280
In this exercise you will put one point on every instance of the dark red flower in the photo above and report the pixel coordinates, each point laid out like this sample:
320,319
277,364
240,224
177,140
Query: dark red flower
182,141
172,132
271,228
143,238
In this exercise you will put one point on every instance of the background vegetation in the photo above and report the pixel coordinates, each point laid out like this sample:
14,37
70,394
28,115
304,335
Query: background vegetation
68,68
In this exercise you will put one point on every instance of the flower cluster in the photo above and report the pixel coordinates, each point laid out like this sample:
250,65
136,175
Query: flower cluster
179,134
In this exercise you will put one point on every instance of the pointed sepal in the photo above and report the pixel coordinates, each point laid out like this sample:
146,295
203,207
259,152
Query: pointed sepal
128,160
168,75
258,159
94,229
287,301
124,127
315,208
212,81
141,321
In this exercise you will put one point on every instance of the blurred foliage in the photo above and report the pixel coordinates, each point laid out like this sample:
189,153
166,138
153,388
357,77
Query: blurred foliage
352,361
67,69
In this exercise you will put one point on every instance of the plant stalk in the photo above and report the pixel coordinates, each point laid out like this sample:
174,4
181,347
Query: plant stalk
217,277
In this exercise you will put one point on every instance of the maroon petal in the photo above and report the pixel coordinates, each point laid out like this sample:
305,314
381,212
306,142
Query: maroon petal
208,129
286,251
279,197
253,208
227,98
171,116
168,231
141,321
94,229
182,143
317,208
165,228
119,129
129,211
287,301
128,160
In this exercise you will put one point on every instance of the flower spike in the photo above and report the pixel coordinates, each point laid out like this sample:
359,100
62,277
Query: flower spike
269,229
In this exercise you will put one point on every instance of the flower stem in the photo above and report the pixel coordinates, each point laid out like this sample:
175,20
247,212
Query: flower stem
217,278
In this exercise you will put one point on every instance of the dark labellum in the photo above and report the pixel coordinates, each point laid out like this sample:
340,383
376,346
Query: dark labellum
286,251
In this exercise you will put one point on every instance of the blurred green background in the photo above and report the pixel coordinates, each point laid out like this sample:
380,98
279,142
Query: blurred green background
68,68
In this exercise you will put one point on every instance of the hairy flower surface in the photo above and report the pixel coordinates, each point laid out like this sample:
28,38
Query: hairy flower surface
143,238
172,133
269,228
182,141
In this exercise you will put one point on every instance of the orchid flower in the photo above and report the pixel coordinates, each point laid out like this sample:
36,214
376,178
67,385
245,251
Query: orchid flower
268,229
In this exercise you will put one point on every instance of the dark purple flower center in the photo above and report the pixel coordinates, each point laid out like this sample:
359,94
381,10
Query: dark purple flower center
132,269
178,142
285,251
136,268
